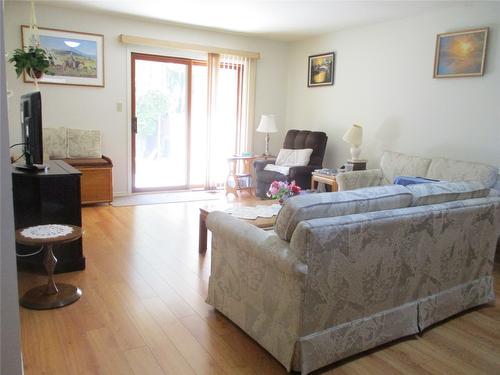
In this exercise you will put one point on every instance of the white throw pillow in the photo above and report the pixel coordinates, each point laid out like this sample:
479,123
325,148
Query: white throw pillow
293,158
277,168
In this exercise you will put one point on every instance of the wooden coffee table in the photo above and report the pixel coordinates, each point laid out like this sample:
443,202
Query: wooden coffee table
261,222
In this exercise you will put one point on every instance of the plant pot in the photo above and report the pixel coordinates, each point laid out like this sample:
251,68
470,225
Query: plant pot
35,74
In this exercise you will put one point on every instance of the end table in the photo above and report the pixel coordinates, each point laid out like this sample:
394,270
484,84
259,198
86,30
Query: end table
52,295
326,179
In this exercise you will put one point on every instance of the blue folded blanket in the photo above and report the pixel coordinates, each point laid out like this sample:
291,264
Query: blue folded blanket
410,180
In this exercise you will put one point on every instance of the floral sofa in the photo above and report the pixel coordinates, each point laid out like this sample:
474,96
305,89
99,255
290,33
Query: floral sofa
394,164
344,272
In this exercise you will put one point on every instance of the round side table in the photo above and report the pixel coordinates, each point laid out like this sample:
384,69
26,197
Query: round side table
52,295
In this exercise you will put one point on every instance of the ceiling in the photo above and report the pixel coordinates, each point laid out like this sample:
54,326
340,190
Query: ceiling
283,20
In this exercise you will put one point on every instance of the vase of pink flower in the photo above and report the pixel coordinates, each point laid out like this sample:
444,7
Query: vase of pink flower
282,190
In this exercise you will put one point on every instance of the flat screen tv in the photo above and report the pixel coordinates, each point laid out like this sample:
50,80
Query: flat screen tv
31,125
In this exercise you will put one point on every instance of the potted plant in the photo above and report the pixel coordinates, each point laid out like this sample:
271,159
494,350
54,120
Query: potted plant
34,61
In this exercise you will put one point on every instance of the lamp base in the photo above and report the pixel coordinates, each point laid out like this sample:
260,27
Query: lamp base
357,165
355,152
266,152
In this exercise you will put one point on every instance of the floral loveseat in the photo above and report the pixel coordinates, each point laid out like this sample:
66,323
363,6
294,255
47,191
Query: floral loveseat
345,272
394,164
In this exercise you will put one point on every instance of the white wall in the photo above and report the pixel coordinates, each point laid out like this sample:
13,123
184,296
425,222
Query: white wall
383,80
95,108
10,354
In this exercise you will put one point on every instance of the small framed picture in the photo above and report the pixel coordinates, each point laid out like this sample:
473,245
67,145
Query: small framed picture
460,54
78,57
321,69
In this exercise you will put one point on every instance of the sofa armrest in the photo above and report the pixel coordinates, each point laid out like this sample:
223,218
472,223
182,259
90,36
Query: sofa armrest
238,235
259,165
359,179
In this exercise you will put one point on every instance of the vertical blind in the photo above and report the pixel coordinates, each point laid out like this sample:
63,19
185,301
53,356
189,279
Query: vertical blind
231,92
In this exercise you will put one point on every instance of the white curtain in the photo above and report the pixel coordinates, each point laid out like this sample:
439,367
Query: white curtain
213,63
231,98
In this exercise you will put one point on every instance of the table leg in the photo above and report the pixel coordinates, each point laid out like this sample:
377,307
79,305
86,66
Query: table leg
202,245
50,295
314,184
50,262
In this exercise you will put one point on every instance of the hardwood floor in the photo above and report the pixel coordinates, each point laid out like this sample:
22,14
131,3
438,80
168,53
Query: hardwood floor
143,312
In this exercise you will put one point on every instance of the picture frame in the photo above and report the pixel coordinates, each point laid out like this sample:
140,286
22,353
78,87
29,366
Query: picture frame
321,70
460,53
78,56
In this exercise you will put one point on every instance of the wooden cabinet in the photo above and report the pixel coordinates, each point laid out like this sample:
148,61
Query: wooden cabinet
97,185
96,180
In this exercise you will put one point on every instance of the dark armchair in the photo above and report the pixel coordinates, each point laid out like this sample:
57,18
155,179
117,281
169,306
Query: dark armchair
295,139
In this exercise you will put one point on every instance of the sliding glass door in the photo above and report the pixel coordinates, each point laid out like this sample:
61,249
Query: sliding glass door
169,123
160,122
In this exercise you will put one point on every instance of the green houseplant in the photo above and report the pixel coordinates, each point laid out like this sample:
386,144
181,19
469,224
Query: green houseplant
34,61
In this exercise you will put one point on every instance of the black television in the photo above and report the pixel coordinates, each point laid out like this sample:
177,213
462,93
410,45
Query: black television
31,125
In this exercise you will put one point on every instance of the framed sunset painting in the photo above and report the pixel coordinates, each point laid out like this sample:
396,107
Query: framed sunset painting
78,57
460,54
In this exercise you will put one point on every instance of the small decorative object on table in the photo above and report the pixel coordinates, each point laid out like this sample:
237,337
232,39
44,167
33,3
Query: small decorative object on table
282,190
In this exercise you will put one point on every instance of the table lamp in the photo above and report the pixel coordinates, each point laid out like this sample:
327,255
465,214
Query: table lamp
267,125
354,136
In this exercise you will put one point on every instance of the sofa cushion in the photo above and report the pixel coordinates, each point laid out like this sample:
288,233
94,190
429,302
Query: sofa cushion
396,164
314,206
441,192
456,170
55,143
84,143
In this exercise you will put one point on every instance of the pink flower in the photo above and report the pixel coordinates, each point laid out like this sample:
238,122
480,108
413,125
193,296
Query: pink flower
280,189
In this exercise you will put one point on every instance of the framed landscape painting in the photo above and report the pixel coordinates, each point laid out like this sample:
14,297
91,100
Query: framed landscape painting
78,57
321,69
460,54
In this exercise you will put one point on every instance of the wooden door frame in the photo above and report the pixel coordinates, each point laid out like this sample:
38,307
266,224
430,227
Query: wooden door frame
166,59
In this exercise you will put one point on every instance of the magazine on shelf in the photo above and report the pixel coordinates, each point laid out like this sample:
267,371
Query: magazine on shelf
327,171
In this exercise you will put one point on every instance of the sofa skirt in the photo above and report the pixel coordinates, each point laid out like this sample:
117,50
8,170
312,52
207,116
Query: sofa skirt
322,348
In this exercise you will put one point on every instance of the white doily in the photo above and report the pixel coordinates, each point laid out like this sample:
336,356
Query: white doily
254,212
46,231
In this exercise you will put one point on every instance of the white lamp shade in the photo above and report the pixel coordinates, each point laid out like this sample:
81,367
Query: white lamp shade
267,124
354,135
